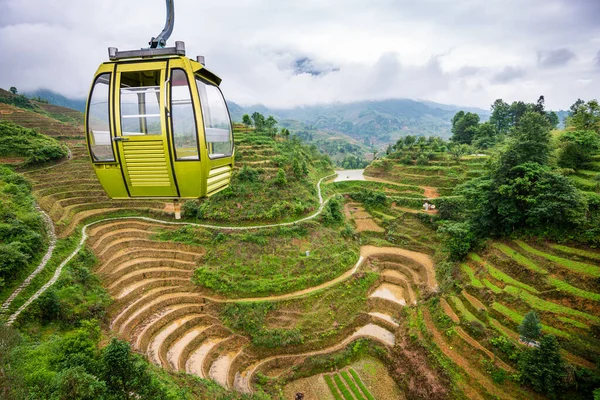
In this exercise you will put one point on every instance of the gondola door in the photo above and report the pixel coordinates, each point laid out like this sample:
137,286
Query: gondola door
141,126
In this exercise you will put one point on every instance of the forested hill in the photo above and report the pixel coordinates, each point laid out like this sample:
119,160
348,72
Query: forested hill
381,121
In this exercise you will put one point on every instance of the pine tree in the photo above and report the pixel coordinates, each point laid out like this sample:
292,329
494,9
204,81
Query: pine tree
543,367
531,328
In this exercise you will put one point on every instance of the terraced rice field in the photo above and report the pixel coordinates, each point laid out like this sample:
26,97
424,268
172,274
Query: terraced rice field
45,125
512,278
177,325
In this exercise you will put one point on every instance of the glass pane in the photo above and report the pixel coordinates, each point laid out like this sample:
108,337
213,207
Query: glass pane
140,103
217,125
182,115
99,121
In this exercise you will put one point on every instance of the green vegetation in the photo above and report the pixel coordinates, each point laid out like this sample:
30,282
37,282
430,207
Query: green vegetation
548,306
332,388
501,276
250,319
463,311
579,252
565,287
22,231
274,261
343,389
519,258
574,266
362,386
16,141
531,327
518,319
357,393
495,289
471,274
543,368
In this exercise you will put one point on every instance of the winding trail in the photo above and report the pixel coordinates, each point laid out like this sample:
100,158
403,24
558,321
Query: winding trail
84,237
51,245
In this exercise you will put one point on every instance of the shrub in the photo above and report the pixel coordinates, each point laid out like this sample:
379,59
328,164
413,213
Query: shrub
280,179
23,142
190,209
248,174
460,239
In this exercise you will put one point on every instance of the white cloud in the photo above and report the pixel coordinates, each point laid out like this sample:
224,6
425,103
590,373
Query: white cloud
460,52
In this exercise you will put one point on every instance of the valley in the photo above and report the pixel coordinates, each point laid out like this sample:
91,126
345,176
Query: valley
333,284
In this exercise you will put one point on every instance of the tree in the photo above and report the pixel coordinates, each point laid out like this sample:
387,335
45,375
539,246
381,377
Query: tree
501,116
246,120
528,142
575,107
409,140
540,106
77,384
458,150
485,136
553,119
543,367
576,148
464,127
13,90
517,110
280,179
531,327
586,117
270,125
125,374
259,121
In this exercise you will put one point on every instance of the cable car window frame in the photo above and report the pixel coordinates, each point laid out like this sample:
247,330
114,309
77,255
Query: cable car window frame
171,113
206,82
143,118
90,137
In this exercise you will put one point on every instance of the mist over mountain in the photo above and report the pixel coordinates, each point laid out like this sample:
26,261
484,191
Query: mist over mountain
378,122
382,121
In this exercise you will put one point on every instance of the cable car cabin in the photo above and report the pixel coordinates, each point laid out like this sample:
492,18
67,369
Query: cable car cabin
158,126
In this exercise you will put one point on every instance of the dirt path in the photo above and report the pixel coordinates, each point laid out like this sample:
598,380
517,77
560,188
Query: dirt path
370,331
431,192
51,244
420,258
449,311
84,236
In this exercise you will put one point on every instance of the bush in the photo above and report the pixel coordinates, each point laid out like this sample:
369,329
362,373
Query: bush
248,174
460,239
190,209
332,213
280,179
16,141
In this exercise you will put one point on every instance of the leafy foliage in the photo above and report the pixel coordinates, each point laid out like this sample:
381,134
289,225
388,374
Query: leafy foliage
21,227
16,141
543,368
531,327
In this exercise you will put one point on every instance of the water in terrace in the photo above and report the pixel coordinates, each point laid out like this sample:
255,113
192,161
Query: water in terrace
350,175
390,292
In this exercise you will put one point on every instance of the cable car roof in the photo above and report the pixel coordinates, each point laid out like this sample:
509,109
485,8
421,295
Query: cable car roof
161,53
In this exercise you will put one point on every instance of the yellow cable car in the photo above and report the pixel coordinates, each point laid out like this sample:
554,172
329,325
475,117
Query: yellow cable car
157,124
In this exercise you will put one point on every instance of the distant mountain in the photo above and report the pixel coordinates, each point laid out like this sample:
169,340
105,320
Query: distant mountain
58,99
375,122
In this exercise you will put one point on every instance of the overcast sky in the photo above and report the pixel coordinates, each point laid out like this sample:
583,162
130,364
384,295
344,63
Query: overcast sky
284,53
